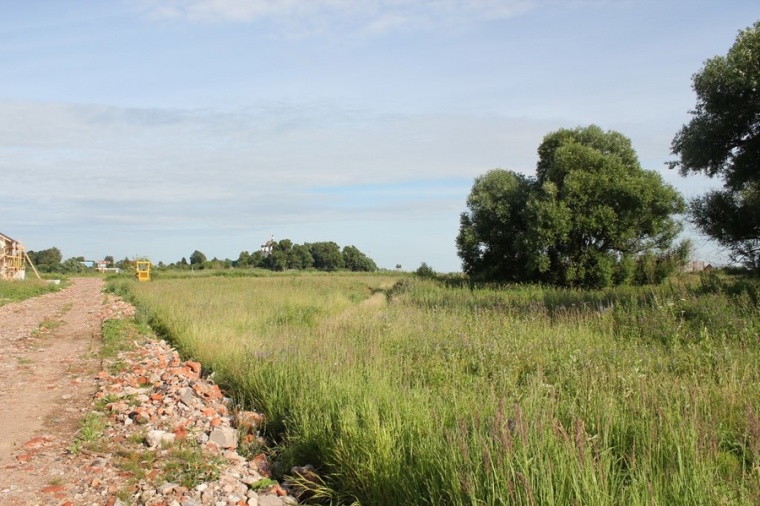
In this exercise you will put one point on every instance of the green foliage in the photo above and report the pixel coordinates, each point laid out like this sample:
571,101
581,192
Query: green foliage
586,218
73,265
425,271
244,259
197,259
91,429
299,257
262,484
187,465
732,218
119,335
723,140
46,260
492,233
326,255
355,260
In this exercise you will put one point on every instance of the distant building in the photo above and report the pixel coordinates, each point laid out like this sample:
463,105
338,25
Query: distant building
12,265
267,247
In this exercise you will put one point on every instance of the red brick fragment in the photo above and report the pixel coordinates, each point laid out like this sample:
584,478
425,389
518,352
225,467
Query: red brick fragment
37,442
194,366
262,465
180,433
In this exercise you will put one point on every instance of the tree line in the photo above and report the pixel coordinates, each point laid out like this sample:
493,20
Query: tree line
593,217
277,256
50,260
284,254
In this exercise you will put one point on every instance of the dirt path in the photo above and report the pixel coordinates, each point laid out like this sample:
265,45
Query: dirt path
48,363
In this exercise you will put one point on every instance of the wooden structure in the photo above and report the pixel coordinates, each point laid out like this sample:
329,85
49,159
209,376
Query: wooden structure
13,259
142,270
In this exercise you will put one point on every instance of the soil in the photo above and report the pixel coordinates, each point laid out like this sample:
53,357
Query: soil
48,364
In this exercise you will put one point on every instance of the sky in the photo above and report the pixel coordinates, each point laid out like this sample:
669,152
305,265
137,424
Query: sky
159,127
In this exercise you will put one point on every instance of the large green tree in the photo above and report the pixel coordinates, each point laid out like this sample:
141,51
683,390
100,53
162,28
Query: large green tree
491,234
355,260
244,259
277,259
299,257
46,260
326,255
586,219
723,140
197,259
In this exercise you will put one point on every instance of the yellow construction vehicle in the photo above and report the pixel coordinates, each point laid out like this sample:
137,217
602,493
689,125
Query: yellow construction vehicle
142,270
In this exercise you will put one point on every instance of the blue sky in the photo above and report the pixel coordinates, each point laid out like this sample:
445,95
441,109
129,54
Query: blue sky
157,127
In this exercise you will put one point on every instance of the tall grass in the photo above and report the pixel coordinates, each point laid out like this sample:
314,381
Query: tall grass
403,391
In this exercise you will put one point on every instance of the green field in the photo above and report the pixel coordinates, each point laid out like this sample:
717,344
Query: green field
408,391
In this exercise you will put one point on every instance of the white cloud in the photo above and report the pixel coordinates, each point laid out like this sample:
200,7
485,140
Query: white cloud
159,176
92,165
368,16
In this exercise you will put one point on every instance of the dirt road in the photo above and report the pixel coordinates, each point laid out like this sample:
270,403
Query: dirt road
48,362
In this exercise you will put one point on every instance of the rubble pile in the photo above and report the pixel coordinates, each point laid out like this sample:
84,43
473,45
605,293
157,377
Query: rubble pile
115,307
158,410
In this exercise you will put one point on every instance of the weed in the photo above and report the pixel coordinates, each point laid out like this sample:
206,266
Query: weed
136,462
104,401
262,484
119,335
188,466
91,429
118,366
46,325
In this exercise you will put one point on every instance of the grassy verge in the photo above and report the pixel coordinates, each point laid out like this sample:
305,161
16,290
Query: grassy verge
14,291
459,395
